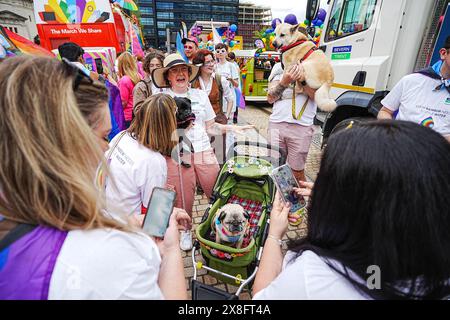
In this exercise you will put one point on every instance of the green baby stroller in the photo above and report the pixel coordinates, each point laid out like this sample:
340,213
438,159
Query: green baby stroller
243,180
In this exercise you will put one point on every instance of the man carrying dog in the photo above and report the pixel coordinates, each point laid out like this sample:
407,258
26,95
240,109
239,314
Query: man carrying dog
291,127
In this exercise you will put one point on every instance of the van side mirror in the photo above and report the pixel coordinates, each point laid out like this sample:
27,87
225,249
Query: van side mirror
312,7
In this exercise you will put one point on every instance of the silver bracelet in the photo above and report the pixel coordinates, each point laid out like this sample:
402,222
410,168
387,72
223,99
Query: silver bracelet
280,242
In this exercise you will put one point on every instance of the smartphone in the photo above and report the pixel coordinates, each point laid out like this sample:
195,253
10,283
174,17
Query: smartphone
285,181
99,65
159,210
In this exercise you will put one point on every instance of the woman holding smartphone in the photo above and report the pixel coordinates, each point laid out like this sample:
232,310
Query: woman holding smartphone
60,244
377,224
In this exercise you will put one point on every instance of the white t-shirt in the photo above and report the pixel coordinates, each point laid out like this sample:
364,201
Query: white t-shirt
106,264
136,170
309,278
416,101
201,107
282,108
227,70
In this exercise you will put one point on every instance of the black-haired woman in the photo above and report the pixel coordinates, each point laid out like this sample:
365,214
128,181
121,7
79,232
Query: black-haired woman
378,224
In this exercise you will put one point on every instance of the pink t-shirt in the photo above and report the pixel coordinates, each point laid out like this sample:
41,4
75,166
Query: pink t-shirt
126,87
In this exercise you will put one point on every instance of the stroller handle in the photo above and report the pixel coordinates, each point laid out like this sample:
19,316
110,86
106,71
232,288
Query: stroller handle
282,160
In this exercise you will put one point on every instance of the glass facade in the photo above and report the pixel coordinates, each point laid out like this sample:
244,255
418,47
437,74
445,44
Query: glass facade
157,15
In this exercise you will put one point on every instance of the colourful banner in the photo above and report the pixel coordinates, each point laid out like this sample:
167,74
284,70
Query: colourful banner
72,11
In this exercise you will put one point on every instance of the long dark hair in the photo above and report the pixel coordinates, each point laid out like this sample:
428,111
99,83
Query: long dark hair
382,197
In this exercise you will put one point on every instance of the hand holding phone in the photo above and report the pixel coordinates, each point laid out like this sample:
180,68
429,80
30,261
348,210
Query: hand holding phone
159,209
286,182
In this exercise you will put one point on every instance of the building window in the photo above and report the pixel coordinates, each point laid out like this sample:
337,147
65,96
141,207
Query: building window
146,10
147,21
164,5
164,15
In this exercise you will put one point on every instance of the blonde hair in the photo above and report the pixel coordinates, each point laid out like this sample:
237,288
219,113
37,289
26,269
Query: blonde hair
155,123
91,99
128,67
49,155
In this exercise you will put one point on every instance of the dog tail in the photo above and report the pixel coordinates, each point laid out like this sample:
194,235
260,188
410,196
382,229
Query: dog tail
323,99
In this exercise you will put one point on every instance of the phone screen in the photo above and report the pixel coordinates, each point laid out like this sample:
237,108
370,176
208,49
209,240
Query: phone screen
159,209
286,182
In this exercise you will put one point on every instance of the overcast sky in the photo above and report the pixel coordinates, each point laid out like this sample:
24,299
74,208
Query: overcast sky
281,8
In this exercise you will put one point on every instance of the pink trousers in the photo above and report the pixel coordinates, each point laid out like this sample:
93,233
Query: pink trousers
204,170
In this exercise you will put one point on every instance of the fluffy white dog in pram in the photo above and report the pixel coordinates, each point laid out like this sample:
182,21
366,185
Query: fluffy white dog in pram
230,225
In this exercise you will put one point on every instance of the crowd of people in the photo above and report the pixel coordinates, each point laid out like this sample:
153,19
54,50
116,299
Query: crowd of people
77,174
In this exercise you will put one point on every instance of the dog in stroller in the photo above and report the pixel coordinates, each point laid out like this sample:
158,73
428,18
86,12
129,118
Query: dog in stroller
231,225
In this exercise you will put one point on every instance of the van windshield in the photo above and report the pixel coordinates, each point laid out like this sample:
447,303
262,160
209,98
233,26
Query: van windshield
263,67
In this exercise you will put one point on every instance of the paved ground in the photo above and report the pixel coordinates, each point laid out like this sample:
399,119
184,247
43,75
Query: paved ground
257,115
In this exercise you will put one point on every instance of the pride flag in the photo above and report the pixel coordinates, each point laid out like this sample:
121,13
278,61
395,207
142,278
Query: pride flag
180,48
23,45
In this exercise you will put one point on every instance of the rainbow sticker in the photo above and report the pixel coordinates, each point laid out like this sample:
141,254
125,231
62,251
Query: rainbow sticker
428,122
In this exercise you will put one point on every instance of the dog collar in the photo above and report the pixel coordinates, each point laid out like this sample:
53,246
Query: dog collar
286,48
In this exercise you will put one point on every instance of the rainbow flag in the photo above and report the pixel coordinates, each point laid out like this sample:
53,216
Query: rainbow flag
23,45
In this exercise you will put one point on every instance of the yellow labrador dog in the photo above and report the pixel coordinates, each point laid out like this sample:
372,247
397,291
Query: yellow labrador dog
295,47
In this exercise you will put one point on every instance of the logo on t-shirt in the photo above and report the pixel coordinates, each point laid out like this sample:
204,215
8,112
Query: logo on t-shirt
428,122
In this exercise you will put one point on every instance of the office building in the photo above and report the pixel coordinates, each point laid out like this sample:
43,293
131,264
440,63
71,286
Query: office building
252,18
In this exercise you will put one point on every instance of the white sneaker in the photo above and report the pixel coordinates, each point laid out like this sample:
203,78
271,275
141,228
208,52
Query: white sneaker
186,240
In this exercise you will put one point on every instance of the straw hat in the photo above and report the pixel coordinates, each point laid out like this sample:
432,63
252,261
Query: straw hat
170,61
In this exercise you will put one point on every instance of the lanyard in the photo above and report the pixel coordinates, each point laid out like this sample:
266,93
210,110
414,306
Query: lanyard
298,117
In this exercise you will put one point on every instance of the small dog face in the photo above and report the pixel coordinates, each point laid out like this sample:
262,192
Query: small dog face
185,116
286,34
234,220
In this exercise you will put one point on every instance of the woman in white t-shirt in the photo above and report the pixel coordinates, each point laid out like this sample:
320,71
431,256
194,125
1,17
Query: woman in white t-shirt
59,243
136,158
377,224
204,168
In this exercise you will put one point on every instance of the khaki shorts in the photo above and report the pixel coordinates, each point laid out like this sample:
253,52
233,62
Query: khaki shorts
295,139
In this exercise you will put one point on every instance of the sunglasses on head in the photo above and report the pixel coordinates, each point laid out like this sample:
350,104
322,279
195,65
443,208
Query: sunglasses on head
77,73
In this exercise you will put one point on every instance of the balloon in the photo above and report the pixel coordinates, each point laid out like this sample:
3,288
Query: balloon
257,55
233,28
232,44
303,25
319,22
263,49
270,56
275,22
321,14
268,31
264,40
291,19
